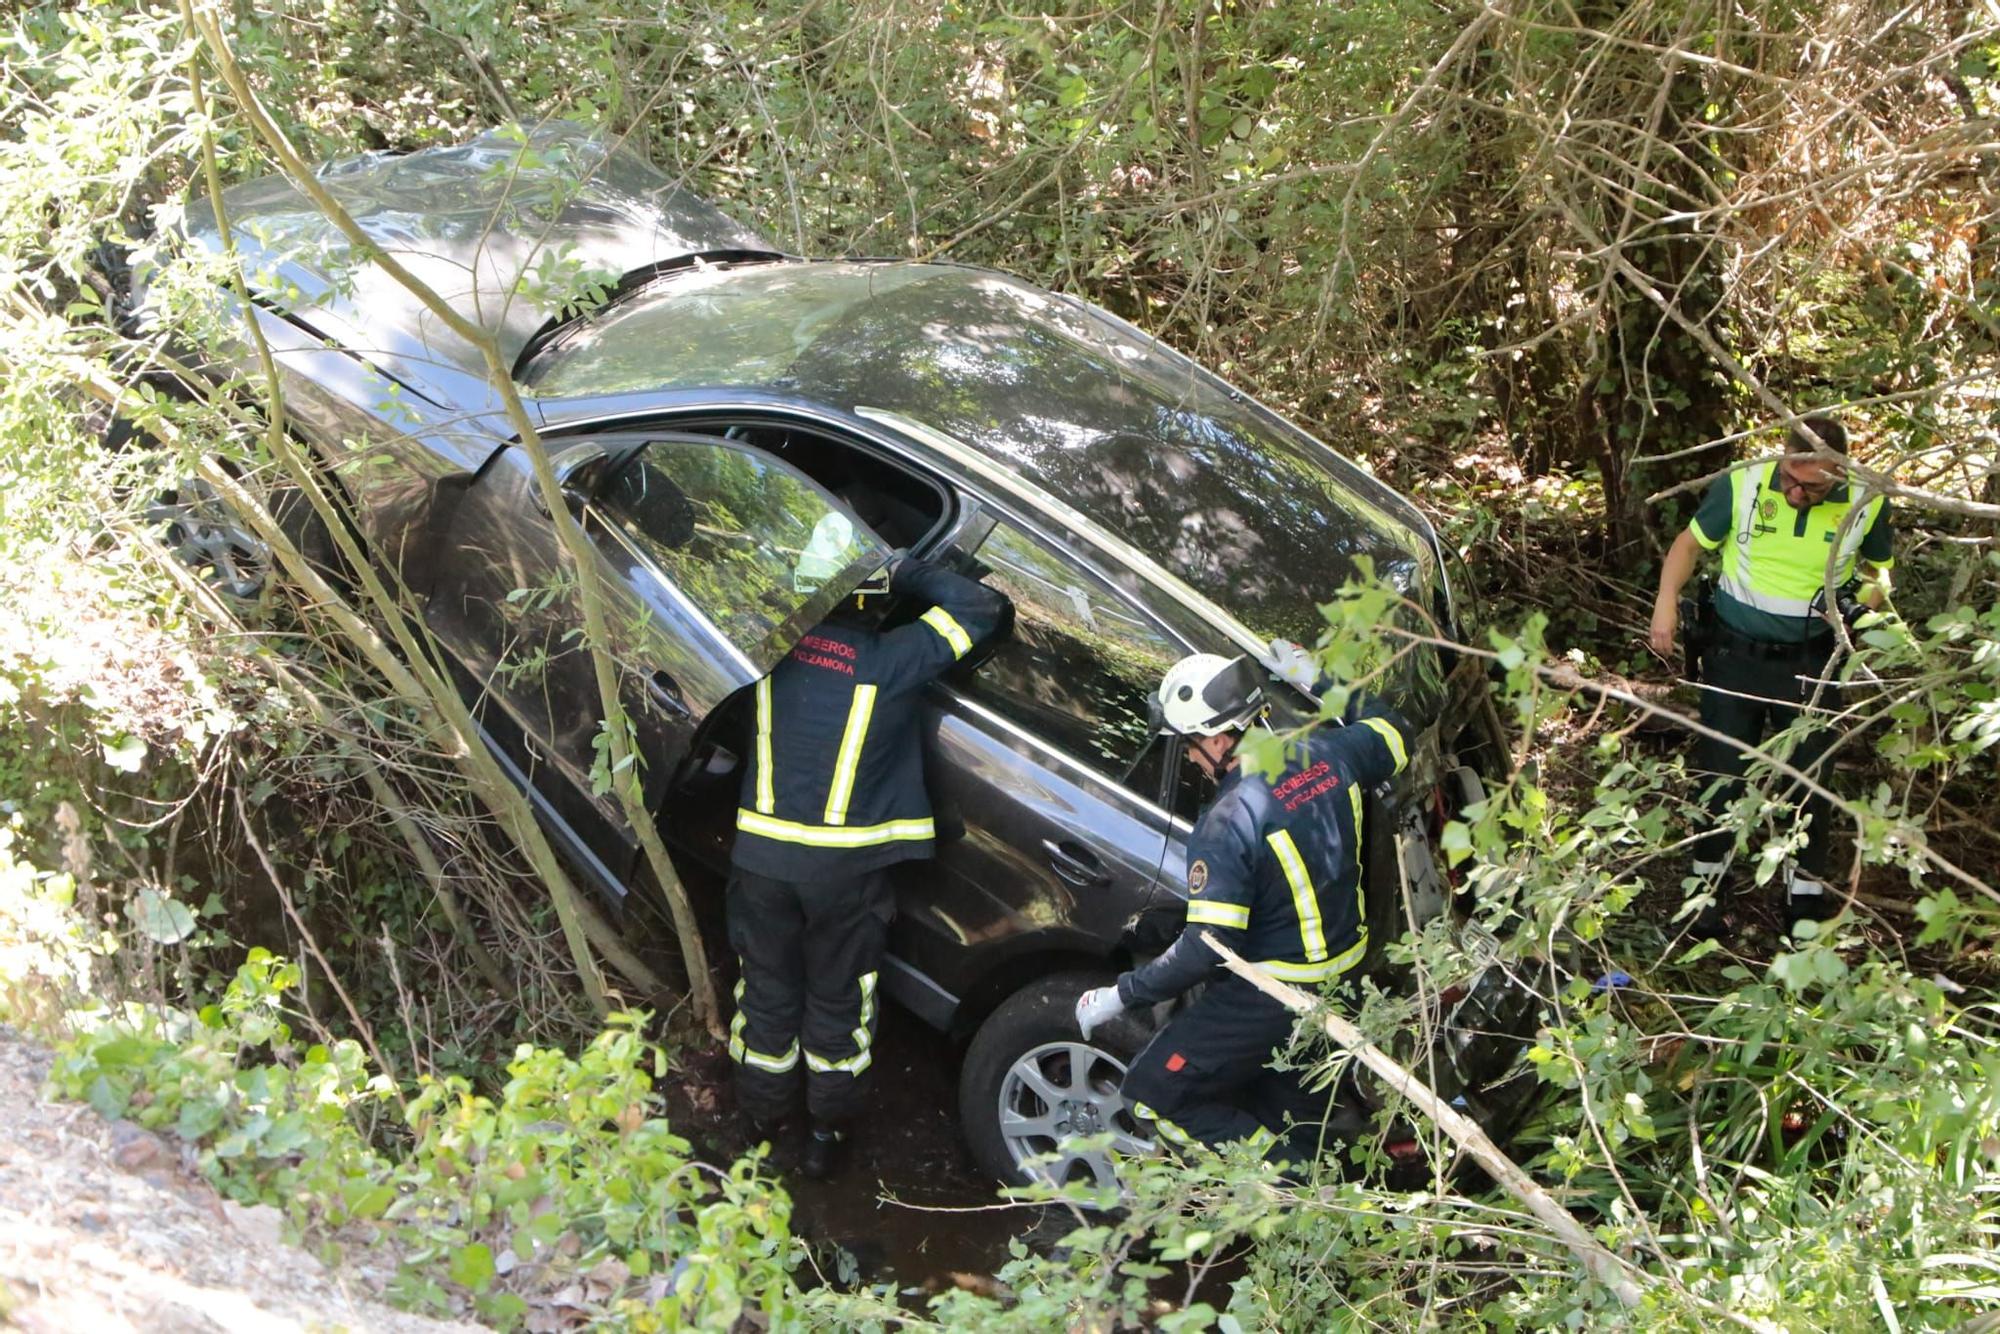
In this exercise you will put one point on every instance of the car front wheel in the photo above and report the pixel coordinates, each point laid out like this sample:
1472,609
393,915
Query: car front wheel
199,527
1031,1085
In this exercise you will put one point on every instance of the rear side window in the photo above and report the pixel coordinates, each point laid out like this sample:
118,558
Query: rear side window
759,549
1081,667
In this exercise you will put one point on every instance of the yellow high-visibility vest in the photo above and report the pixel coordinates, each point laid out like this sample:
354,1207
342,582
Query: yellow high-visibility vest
1775,557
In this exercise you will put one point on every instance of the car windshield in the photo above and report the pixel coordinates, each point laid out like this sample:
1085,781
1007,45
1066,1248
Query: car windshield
720,324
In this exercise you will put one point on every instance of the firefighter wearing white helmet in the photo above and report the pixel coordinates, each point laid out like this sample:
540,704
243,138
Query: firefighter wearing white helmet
1205,694
1274,872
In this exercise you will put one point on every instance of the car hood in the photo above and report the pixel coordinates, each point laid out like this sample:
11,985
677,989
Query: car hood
491,225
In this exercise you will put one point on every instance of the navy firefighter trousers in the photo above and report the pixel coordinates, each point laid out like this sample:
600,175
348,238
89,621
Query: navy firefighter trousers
1205,1078
812,956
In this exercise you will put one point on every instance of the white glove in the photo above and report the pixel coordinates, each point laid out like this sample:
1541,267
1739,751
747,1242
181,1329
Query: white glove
1097,1007
1293,665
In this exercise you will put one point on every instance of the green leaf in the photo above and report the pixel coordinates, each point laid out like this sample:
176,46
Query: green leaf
198,1119
163,920
366,1200
125,754
107,1098
1701,951
472,1266
1456,842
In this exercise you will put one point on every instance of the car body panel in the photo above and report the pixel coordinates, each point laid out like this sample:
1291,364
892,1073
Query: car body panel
1034,853
536,687
402,461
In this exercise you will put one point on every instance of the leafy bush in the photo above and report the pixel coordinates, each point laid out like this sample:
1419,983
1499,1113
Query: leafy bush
563,1190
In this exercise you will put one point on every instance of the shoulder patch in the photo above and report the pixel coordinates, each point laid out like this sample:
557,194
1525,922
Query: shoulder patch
1198,877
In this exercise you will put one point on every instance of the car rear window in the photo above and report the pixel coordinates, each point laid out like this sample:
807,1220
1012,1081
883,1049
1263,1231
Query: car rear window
1082,663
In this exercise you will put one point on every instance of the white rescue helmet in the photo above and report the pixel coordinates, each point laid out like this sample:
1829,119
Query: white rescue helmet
1205,693
833,546
828,551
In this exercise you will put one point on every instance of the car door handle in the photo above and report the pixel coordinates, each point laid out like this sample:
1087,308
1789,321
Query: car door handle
664,691
1075,864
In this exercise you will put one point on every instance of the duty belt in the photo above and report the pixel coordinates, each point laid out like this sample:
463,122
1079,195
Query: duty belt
1819,646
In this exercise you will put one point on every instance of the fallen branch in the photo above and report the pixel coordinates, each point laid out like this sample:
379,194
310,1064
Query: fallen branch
1598,1262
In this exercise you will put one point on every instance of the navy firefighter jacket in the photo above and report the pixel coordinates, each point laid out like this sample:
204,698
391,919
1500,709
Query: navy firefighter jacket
1274,865
835,786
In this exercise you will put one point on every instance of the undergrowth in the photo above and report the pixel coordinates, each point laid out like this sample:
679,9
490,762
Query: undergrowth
562,1191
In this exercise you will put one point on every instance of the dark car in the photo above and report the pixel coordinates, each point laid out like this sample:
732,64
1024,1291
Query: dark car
703,417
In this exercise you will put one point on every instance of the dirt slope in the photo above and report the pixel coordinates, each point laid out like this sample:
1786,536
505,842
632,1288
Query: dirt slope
102,1230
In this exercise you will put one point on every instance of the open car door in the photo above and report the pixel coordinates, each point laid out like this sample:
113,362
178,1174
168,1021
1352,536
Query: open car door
714,558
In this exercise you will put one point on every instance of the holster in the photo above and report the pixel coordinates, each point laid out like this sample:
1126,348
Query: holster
1697,625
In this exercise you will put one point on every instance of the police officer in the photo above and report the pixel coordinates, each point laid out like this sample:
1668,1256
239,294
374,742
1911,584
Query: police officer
1782,525
1274,871
834,795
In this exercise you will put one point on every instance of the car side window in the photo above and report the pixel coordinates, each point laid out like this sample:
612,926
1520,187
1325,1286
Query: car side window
759,549
1080,668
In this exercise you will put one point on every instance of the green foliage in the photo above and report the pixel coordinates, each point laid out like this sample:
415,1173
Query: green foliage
496,1203
1401,221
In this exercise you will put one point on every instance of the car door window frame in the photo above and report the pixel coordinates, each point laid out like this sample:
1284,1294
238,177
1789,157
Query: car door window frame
973,502
627,449
1136,786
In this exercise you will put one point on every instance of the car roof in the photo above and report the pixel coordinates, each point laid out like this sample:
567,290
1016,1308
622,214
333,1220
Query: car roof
470,220
1080,407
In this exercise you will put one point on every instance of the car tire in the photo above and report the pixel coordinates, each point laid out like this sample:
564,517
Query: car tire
1030,1080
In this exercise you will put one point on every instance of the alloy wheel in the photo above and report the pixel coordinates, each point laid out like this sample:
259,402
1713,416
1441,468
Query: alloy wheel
1057,1093
198,528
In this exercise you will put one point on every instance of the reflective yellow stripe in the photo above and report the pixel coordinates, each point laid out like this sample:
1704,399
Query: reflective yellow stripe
843,836
864,1038
777,1065
1260,1139
1205,913
1169,1132
942,621
743,1054
1360,871
767,796
1385,729
1287,971
1304,901
864,1032
1361,877
851,742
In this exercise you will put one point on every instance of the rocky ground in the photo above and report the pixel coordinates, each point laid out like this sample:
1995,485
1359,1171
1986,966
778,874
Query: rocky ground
103,1228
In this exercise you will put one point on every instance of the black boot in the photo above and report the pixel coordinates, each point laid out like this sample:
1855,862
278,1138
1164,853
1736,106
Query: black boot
1712,922
826,1149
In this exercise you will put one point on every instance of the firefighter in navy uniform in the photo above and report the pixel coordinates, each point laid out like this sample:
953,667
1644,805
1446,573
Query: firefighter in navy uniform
1274,871
834,795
